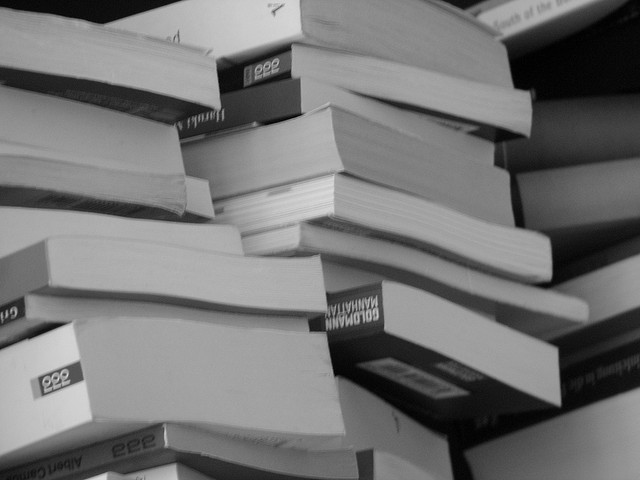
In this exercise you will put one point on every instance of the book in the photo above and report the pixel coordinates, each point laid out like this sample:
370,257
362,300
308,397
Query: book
486,110
109,378
32,225
449,360
289,97
87,153
610,292
351,260
575,131
376,210
215,455
393,433
588,442
591,374
528,25
330,139
92,63
35,313
427,34
592,62
583,207
87,265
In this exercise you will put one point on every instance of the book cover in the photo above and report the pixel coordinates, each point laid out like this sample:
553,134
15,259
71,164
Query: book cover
403,341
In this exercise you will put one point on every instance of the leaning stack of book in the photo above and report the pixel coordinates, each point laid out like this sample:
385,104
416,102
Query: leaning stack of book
338,136
581,191
128,326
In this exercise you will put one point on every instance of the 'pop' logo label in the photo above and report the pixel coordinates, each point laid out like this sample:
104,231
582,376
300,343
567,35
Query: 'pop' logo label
58,379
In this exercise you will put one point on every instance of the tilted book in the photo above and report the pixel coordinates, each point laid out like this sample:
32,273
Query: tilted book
100,379
34,313
449,360
212,454
145,270
379,211
486,110
58,152
350,260
332,139
89,62
32,225
428,34
528,25
393,431
271,102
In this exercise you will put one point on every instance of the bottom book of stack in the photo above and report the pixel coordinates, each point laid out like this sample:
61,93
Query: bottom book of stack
214,455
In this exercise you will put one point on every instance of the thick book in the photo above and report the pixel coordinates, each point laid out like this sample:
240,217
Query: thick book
103,266
610,291
379,211
593,367
590,441
214,455
528,308
32,225
289,97
393,432
35,313
89,62
486,110
331,139
399,340
88,153
428,34
582,208
575,131
108,378
528,25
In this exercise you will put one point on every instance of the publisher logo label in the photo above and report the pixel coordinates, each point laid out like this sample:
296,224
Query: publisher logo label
58,379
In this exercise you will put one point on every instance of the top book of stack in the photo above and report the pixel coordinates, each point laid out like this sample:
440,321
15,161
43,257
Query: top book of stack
429,34
91,63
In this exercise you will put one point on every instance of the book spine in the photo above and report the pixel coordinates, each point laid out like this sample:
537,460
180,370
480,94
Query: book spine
351,313
12,311
97,457
267,69
514,17
260,104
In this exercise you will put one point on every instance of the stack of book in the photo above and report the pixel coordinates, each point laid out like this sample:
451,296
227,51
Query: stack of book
130,324
577,175
370,142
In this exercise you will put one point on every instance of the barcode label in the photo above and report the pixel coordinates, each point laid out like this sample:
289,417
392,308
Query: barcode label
413,378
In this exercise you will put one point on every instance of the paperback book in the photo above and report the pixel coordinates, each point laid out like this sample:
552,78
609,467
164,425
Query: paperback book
92,63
